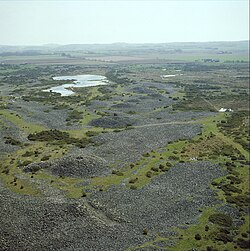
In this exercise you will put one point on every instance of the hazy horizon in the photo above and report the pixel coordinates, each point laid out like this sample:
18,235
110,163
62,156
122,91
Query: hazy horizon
127,43
38,23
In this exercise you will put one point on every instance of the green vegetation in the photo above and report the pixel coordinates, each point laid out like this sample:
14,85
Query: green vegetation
20,122
58,137
74,115
11,141
237,127
221,219
197,86
233,189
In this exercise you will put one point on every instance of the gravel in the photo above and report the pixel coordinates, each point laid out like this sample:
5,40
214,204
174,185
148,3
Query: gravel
112,122
171,199
42,114
8,129
128,146
109,220
85,166
114,219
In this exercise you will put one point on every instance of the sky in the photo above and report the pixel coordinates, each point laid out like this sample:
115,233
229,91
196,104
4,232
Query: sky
38,22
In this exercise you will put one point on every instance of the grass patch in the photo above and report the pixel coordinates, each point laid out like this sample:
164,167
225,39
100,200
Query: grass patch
21,123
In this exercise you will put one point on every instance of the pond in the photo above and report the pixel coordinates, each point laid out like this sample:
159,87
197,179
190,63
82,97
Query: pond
78,81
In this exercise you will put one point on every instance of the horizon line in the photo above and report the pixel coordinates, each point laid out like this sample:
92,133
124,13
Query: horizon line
129,43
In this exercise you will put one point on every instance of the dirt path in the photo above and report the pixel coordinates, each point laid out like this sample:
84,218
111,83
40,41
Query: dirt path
167,123
208,102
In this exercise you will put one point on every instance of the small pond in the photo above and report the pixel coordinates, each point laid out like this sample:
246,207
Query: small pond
78,81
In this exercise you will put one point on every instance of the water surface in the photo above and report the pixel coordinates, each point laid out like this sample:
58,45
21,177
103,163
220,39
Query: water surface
78,81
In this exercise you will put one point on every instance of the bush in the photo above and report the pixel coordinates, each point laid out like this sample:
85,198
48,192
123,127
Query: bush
74,115
155,169
133,187
168,164
27,154
243,243
165,169
149,174
197,237
230,188
133,180
234,179
240,200
118,173
221,219
12,141
24,163
58,137
91,133
50,135
161,166
6,171
220,236
46,157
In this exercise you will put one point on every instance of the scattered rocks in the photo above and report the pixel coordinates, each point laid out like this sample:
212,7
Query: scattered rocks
85,166
112,122
107,220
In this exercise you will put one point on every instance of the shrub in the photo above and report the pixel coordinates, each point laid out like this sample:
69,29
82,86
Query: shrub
6,171
149,174
91,133
165,169
221,219
240,200
155,169
46,157
133,180
234,179
173,158
24,163
12,141
243,243
118,173
161,166
74,115
230,188
197,237
133,187
27,154
59,137
220,236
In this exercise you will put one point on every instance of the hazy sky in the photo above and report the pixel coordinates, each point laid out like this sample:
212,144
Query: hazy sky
66,22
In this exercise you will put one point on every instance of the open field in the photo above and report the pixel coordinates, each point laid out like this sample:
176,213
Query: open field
146,162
